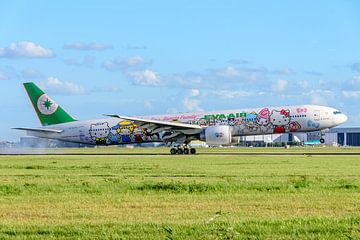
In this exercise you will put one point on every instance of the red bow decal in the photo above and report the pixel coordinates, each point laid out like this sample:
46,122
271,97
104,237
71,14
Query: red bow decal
285,113
300,110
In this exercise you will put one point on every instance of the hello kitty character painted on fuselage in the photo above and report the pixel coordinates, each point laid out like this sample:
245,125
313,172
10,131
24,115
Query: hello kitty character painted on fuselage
280,120
125,133
263,120
99,132
138,134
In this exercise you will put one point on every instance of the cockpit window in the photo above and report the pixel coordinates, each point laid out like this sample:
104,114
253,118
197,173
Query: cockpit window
337,112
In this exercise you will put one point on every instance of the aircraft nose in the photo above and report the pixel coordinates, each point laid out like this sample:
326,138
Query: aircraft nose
341,118
345,118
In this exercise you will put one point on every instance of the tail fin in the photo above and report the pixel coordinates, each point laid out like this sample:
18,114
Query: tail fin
48,111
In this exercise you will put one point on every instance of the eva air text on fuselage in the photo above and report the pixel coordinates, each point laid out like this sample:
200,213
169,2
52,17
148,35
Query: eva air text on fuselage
225,116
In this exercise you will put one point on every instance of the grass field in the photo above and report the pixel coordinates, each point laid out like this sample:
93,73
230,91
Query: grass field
180,197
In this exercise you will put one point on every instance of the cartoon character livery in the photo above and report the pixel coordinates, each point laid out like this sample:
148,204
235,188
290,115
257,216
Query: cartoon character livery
263,120
204,126
99,132
280,120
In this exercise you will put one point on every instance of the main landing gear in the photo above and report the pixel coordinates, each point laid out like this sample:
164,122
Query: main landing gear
182,150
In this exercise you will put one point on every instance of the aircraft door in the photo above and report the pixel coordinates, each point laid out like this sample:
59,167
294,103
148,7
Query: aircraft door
316,115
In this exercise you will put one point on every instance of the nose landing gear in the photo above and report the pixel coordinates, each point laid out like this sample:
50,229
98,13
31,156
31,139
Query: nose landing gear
322,134
182,150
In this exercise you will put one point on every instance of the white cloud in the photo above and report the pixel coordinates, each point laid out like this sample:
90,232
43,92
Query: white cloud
135,60
87,61
355,81
314,73
7,73
229,72
191,101
145,78
195,92
351,94
320,97
191,104
351,84
238,61
244,74
25,49
228,94
55,85
284,71
87,46
304,84
119,64
317,100
30,73
280,85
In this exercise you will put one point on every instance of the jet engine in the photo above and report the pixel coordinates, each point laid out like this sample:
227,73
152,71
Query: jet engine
218,135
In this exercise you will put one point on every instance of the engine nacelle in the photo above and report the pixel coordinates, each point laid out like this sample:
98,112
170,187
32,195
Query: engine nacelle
218,135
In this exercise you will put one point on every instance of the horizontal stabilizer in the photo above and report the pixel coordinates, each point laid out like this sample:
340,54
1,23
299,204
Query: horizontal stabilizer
41,130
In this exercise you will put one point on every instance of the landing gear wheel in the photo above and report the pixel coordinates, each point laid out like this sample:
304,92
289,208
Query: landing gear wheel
180,151
322,141
192,150
173,151
186,151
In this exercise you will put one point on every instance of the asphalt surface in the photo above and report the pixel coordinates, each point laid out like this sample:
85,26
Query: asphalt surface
201,153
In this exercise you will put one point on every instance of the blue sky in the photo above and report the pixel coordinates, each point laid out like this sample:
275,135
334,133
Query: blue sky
153,57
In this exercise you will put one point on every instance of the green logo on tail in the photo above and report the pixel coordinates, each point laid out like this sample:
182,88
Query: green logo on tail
46,105
48,111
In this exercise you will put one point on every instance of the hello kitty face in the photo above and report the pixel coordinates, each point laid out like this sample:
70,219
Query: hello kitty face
125,131
251,126
262,118
99,130
280,118
138,130
262,121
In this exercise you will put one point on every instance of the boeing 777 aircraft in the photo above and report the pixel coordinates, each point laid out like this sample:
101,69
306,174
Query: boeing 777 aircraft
178,130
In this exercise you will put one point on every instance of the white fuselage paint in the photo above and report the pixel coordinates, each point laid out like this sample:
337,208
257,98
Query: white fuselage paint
244,122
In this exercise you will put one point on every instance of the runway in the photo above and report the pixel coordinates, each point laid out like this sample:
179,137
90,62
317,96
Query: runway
202,153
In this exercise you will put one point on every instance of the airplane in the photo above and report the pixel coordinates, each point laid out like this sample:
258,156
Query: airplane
177,130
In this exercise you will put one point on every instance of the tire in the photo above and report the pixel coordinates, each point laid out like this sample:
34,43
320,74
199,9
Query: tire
322,141
192,150
180,151
173,151
186,151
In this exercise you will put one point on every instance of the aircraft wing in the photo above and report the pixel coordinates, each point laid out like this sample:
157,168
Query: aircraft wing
175,130
141,121
40,130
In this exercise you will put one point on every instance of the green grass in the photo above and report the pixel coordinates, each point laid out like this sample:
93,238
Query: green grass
180,197
164,150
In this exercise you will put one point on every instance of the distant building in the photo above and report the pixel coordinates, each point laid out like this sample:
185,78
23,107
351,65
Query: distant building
335,136
344,136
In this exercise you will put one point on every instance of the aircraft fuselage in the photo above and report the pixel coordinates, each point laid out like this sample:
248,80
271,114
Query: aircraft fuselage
243,122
